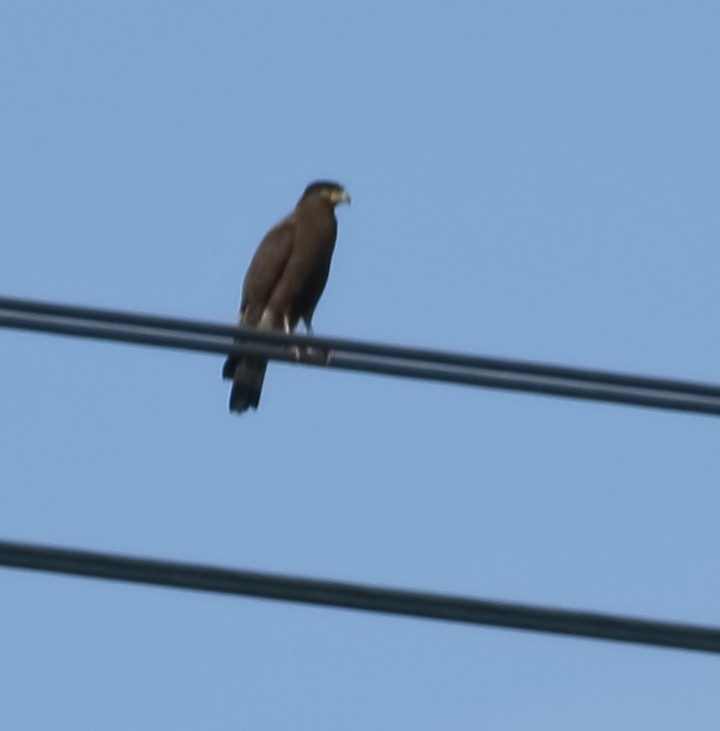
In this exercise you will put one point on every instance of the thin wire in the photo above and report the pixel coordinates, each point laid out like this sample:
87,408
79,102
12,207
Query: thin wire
360,356
425,355
359,597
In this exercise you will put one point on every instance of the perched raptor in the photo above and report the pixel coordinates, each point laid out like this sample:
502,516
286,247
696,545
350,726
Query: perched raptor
284,282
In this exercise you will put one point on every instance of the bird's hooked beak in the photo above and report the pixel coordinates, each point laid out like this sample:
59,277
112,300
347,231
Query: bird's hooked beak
341,196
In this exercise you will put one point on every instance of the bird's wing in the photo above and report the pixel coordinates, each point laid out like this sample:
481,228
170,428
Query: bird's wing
265,270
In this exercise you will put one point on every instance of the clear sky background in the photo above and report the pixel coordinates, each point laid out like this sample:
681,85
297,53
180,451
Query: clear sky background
535,180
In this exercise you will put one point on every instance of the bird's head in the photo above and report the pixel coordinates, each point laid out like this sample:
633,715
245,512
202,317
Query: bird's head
333,192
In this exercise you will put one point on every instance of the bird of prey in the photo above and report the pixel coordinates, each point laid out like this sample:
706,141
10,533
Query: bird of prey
284,281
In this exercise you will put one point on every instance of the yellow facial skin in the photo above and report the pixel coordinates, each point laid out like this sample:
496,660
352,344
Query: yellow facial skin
337,196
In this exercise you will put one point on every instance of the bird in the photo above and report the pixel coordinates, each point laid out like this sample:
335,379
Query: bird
284,282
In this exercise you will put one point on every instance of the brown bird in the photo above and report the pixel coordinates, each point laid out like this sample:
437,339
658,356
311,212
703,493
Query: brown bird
284,281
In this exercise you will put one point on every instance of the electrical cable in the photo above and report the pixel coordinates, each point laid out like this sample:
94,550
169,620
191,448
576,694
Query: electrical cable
359,356
347,595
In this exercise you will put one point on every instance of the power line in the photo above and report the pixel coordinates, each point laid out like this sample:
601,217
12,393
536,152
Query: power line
352,355
359,597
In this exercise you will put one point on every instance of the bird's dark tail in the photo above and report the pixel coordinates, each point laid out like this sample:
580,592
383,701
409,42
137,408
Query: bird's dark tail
247,375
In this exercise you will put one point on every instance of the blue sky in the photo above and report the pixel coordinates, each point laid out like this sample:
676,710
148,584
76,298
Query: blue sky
530,180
